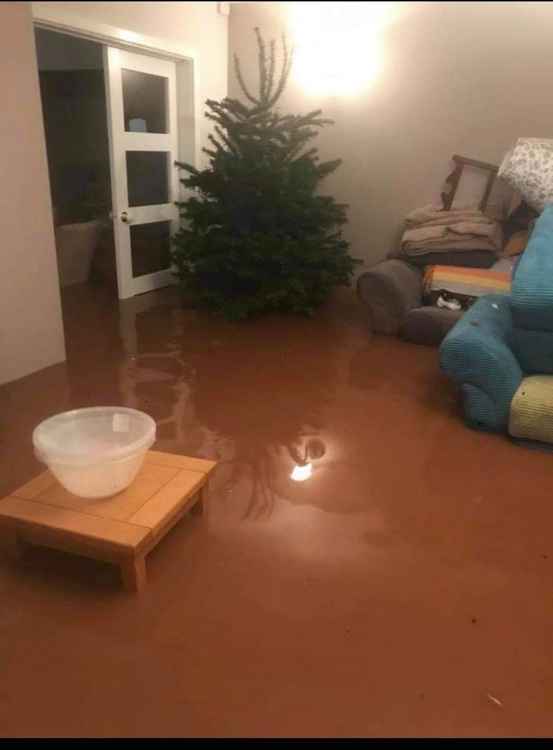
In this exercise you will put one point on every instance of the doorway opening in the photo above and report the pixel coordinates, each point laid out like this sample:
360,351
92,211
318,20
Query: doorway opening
113,134
74,106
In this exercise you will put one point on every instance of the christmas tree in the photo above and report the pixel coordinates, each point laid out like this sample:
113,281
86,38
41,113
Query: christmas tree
256,235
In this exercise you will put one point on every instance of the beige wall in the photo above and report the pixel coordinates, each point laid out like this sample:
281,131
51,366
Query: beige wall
465,78
196,27
31,333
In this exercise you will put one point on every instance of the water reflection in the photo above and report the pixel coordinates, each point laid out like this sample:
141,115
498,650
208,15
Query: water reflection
303,469
262,403
256,404
301,472
261,398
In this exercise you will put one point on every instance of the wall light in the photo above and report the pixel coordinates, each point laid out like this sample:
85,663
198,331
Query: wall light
337,50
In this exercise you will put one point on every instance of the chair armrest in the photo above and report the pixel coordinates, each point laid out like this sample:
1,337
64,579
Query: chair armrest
390,290
477,355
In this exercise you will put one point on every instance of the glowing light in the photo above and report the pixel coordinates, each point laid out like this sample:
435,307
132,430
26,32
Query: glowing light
301,473
337,50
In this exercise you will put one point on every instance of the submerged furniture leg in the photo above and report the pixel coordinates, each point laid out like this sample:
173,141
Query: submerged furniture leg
11,543
133,573
198,507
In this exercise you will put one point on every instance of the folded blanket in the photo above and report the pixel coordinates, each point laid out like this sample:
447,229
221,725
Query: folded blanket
447,245
445,231
434,215
430,230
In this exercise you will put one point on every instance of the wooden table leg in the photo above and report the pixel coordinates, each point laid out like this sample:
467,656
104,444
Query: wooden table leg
133,573
11,543
198,507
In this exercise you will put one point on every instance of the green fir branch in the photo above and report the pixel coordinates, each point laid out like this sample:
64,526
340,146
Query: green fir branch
241,81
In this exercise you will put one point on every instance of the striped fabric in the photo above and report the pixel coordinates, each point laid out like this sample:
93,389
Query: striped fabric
467,282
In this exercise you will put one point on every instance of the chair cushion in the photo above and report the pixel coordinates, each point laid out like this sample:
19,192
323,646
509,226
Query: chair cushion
428,325
531,414
389,290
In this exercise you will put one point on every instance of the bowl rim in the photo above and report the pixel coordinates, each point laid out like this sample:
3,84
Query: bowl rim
43,447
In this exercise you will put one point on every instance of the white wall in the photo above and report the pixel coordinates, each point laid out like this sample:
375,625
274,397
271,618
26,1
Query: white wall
466,78
31,331
195,28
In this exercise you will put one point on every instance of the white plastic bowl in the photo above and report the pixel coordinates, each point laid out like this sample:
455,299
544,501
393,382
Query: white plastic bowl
95,452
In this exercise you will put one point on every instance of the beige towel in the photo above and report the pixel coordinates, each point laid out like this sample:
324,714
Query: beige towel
429,229
445,232
479,229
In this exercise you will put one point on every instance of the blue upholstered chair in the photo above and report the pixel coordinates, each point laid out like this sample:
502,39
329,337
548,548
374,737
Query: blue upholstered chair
503,338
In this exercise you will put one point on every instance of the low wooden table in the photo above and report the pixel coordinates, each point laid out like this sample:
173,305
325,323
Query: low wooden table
121,529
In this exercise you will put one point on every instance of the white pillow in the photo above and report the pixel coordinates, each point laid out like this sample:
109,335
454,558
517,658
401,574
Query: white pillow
528,168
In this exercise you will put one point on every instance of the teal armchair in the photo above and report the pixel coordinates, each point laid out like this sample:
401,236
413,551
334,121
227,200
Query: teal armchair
503,338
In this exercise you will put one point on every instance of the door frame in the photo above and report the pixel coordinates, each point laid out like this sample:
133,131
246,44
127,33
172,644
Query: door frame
189,106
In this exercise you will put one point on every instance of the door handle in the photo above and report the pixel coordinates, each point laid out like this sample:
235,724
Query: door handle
125,218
